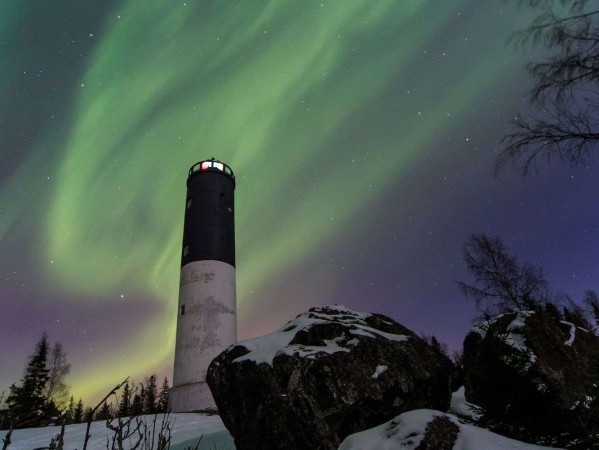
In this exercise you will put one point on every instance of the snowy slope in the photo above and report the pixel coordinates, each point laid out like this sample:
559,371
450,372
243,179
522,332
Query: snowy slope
406,432
186,430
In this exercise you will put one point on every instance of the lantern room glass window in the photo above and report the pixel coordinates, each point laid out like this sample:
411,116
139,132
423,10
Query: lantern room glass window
206,165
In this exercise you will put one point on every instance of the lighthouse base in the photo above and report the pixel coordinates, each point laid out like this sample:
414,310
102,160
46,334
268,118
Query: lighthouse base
192,397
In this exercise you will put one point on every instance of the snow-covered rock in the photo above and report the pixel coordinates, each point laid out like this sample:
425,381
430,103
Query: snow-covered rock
532,373
426,429
326,374
460,407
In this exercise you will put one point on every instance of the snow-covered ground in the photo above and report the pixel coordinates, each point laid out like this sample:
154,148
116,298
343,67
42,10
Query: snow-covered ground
406,432
186,429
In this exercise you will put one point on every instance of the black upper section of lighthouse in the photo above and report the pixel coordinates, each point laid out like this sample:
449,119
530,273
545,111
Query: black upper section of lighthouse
209,230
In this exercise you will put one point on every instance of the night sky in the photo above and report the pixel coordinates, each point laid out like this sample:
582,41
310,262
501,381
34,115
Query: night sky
362,133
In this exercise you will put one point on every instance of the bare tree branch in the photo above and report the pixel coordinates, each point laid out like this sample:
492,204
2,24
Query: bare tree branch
565,91
91,414
501,284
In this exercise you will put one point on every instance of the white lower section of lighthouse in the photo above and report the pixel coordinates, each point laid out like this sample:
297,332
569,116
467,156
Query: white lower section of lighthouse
206,325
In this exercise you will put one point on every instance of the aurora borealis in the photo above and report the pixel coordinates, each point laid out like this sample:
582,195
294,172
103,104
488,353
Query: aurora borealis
362,134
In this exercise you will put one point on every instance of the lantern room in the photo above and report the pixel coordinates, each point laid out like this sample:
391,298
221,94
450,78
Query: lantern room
211,165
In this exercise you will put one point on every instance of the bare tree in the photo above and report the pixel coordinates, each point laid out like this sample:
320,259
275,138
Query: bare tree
501,284
56,391
6,440
565,93
99,405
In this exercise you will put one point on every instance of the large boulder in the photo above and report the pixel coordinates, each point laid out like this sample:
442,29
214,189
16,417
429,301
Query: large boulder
326,374
533,373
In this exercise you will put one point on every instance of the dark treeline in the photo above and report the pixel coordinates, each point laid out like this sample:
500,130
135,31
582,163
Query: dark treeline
136,399
41,397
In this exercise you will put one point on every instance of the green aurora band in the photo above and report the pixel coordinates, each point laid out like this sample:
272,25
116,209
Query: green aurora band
268,87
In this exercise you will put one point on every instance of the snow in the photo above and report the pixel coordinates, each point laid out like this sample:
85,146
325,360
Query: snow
379,371
407,430
460,407
586,403
391,337
264,349
512,336
186,429
360,332
482,329
570,341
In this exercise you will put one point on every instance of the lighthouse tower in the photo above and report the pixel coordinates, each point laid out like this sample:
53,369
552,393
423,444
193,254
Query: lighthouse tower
207,320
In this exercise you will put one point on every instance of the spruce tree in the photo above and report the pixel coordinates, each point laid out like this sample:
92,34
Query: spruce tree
70,411
103,413
78,413
162,406
26,402
125,403
88,415
151,395
137,407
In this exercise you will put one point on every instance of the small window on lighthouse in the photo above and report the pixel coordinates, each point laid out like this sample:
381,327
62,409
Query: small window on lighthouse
186,250
182,310
218,166
188,203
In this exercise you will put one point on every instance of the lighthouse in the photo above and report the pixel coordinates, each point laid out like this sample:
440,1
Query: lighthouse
206,317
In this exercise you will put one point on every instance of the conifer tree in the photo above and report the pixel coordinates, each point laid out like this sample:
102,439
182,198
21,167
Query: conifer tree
70,411
137,405
103,413
124,409
26,401
78,413
151,395
163,397
88,415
